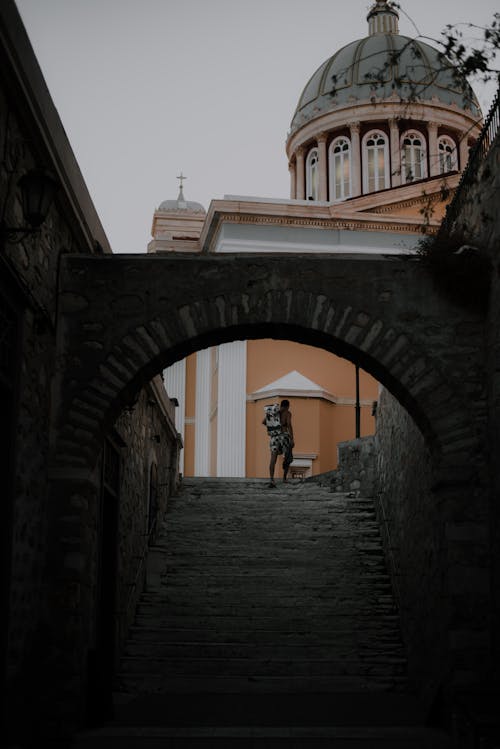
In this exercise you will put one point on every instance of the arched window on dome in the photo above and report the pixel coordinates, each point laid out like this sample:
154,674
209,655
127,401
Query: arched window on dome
340,169
447,152
312,174
375,161
413,156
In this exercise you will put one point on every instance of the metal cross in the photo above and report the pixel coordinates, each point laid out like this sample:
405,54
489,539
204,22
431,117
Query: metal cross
181,177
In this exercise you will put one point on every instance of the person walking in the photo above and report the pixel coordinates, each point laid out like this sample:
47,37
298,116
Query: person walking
278,420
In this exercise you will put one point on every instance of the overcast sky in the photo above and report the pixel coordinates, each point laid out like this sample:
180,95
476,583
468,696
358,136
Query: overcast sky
147,88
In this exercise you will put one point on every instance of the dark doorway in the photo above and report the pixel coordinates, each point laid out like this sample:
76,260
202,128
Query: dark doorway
10,346
153,500
102,658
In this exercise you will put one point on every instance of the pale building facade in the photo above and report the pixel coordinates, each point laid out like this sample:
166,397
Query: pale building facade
376,145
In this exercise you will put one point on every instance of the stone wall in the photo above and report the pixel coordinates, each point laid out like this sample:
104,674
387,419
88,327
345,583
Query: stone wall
146,446
356,468
24,599
28,283
478,225
150,439
411,533
48,536
395,468
437,549
436,545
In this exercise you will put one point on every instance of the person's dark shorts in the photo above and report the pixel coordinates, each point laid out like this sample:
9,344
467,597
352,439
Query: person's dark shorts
281,444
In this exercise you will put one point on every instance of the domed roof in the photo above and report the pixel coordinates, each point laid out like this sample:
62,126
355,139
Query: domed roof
181,204
382,65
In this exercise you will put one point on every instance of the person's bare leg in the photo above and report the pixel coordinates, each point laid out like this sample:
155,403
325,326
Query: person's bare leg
272,465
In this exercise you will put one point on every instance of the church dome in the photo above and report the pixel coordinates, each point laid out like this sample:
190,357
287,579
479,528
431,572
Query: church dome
177,224
383,111
181,204
383,66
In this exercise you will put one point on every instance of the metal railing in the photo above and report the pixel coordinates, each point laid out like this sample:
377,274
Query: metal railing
476,157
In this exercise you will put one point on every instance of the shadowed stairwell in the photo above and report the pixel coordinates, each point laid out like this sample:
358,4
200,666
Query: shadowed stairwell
268,620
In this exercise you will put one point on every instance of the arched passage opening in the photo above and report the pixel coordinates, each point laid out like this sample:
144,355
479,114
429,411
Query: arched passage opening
411,376
222,392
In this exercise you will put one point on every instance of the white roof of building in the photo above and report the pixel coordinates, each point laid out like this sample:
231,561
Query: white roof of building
294,384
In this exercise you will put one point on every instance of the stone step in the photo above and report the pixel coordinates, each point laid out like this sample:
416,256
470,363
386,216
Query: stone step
228,571
278,650
291,528
320,709
252,633
302,563
254,665
269,505
233,619
279,494
285,619
286,513
374,640
225,740
364,720
283,522
253,737
179,579
361,601
261,571
354,603
147,683
251,598
266,592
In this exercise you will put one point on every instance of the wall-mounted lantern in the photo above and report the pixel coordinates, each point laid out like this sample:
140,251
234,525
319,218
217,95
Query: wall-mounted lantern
38,189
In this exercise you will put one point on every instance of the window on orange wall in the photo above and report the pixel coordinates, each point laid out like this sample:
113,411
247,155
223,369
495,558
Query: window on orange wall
375,162
312,175
447,153
413,156
340,169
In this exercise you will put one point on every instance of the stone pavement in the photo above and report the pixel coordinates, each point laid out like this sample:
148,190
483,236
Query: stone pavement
268,621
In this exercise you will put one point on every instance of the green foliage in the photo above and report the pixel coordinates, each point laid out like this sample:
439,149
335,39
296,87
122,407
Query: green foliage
473,56
461,270
465,51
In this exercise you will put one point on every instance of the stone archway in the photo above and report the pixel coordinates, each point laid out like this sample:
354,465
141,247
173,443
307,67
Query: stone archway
122,319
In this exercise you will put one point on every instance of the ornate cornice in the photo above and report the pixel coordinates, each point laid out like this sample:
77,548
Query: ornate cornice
417,200
349,224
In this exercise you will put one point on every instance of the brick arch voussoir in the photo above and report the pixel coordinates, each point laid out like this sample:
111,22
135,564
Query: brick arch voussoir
420,384
91,405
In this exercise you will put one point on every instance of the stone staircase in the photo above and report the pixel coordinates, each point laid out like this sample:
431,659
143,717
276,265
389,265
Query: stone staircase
268,620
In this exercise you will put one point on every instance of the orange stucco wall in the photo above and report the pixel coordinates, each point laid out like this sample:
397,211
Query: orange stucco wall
319,424
268,360
318,428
